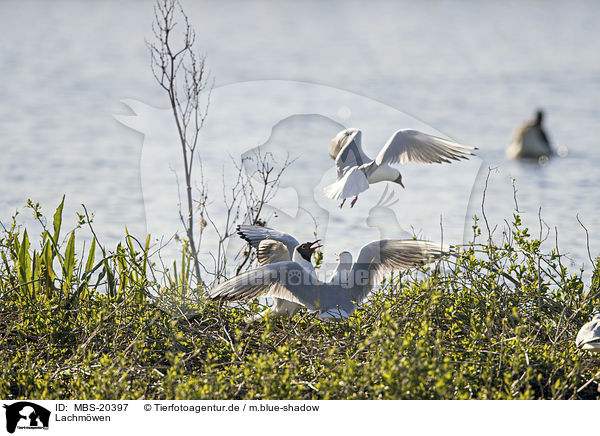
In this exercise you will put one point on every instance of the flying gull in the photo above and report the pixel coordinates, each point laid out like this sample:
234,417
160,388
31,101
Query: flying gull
356,171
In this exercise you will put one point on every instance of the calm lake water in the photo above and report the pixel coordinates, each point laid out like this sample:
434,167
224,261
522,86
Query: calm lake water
287,77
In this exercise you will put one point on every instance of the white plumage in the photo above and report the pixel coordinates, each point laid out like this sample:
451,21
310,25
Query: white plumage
273,246
292,282
271,251
588,337
356,171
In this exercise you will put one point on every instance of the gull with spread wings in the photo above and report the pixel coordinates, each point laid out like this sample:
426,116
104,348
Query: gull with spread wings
274,246
293,282
356,171
271,244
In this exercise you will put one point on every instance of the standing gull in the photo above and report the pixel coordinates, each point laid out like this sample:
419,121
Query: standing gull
292,282
356,171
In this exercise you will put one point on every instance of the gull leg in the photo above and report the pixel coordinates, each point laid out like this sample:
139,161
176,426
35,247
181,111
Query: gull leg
342,203
353,201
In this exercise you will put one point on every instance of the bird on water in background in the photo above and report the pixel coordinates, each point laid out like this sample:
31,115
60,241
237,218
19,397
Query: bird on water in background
356,171
530,141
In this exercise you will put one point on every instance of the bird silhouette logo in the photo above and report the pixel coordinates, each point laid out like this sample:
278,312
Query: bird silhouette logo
250,119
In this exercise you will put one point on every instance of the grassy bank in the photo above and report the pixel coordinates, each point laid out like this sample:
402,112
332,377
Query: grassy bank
493,321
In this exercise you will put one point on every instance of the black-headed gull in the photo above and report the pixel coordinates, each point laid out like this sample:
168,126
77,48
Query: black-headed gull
273,246
356,171
270,243
292,281
271,251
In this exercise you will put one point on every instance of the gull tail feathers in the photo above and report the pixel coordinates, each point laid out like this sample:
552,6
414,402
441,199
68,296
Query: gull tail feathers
353,183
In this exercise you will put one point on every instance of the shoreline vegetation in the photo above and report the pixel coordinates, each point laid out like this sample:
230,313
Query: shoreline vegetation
495,320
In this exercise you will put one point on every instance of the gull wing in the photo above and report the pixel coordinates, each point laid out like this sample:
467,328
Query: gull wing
271,251
284,280
254,234
413,146
379,258
346,149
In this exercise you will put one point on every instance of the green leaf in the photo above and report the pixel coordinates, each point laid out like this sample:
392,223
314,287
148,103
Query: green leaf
48,255
69,262
110,277
122,265
16,246
146,249
58,220
5,260
91,256
24,260
128,239
37,272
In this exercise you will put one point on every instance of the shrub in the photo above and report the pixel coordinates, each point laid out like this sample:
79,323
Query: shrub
495,320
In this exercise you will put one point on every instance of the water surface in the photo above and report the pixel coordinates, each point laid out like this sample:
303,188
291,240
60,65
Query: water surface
471,71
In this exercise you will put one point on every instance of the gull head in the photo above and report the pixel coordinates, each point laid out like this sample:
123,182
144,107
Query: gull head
398,180
539,116
307,249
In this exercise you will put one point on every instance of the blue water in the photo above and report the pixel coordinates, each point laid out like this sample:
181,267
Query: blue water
471,71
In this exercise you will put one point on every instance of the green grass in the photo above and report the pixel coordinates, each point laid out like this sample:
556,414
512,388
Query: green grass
493,321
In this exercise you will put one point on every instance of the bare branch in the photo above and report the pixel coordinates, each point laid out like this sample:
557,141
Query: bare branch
181,73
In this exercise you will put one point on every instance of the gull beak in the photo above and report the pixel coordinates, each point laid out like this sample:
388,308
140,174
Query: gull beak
313,246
